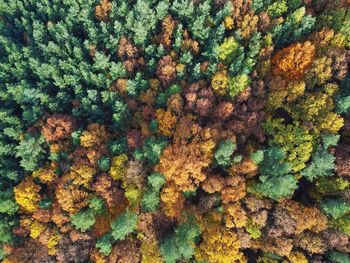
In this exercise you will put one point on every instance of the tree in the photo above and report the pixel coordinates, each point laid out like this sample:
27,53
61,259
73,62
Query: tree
323,162
150,200
276,182
335,207
180,244
31,151
219,244
224,152
151,150
124,225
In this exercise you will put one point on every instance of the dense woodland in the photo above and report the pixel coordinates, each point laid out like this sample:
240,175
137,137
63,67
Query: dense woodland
174,131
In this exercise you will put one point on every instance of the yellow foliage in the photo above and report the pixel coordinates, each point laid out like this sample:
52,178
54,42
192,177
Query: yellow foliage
282,92
322,68
296,141
249,24
36,229
332,123
295,90
219,245
235,216
330,88
166,121
219,83
27,195
172,201
150,253
95,135
46,175
71,198
297,257
118,167
54,238
133,194
229,23
81,175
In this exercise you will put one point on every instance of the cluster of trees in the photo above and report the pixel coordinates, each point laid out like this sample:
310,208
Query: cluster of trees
174,131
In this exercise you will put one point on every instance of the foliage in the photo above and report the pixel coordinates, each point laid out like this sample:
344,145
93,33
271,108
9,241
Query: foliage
180,245
276,182
119,119
30,151
335,207
338,257
151,200
224,152
151,150
124,225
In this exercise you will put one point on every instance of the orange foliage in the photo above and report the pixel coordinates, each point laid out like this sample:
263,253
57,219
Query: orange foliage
69,196
234,189
166,70
168,26
166,121
184,164
172,200
307,218
213,184
293,61
102,10
235,216
58,127
94,139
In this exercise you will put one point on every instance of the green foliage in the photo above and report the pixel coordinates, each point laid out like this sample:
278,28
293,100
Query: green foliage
338,257
97,205
156,181
257,156
335,207
276,182
237,84
6,225
151,150
124,225
45,203
151,200
104,244
31,152
343,104
118,146
323,162
83,220
181,244
8,204
222,156
277,8
343,224
294,28
227,50
104,164
163,97
258,5
343,100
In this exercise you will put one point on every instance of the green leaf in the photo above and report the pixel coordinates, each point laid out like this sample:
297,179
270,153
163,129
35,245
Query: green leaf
124,225
224,152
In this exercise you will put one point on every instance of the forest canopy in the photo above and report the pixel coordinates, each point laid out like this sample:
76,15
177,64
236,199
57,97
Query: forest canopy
174,131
